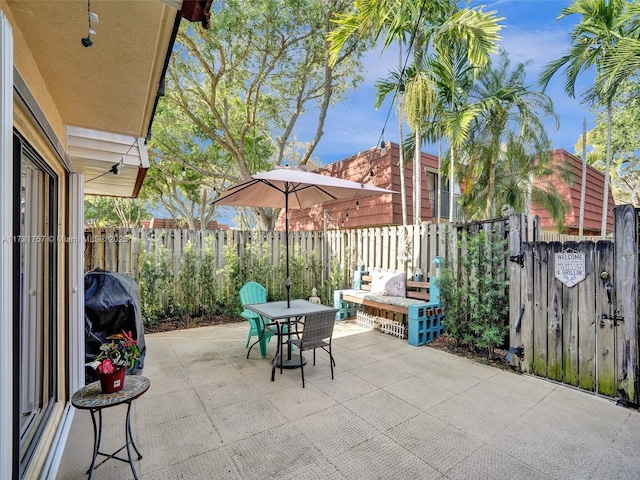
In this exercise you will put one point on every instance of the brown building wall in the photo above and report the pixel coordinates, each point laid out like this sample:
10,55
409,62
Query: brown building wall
372,211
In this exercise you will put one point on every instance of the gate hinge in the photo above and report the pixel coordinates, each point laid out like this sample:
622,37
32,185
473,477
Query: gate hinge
518,258
518,351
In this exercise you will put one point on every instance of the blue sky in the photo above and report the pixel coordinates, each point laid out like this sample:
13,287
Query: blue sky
530,33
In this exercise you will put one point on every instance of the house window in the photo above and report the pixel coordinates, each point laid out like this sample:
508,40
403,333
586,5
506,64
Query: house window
35,251
441,197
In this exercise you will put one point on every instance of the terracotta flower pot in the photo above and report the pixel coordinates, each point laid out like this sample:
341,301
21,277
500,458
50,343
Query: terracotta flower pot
112,382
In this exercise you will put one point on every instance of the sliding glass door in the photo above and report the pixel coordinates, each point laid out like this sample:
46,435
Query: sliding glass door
35,248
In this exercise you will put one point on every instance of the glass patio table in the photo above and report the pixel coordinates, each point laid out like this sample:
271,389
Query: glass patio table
279,313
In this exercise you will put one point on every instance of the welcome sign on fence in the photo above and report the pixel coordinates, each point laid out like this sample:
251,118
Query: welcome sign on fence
570,267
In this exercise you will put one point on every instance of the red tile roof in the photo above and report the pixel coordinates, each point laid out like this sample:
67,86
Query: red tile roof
173,223
387,209
594,195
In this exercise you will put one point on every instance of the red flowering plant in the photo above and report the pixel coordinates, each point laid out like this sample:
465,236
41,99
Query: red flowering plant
121,351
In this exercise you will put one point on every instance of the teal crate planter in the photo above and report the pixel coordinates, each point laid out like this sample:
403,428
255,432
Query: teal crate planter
425,323
345,309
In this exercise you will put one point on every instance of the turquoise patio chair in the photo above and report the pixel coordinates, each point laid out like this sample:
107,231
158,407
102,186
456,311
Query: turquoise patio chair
253,292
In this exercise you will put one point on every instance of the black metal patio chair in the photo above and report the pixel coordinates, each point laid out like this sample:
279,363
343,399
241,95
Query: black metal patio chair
317,333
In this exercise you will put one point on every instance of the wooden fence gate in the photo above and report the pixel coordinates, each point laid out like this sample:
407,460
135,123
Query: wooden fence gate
585,335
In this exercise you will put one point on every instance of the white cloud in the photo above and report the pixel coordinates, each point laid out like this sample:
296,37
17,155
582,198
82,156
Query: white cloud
379,63
538,46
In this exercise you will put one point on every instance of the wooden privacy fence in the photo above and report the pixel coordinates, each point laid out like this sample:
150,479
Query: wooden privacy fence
336,252
585,335
386,248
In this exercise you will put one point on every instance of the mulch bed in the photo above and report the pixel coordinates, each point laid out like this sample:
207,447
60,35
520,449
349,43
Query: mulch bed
180,323
448,344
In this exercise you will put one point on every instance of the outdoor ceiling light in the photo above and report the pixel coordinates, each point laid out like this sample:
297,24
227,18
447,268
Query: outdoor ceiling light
86,41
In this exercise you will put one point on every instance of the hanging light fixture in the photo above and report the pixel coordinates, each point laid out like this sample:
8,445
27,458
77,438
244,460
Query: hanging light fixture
92,17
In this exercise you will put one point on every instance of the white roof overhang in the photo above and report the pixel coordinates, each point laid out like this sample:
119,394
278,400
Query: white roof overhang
103,96
98,155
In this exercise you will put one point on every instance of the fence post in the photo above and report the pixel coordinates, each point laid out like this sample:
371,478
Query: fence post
515,294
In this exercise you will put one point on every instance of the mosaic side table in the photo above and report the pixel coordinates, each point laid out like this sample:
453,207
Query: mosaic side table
91,398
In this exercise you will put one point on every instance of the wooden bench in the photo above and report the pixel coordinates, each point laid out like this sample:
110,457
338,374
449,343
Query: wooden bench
415,290
419,309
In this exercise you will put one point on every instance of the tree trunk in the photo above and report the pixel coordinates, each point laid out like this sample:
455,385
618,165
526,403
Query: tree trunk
403,182
266,222
605,200
583,187
489,212
417,182
451,159
451,182
403,186
438,195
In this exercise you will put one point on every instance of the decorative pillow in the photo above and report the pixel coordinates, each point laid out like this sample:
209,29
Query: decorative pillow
389,283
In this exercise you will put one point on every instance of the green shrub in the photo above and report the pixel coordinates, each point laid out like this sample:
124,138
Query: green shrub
256,265
452,302
187,296
475,298
200,287
156,283
208,284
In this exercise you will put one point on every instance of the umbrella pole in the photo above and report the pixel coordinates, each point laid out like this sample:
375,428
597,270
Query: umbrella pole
286,235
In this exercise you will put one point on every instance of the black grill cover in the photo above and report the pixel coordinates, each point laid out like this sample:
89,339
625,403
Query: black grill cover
111,305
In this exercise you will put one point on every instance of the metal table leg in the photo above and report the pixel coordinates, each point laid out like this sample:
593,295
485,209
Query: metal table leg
97,438
129,439
292,360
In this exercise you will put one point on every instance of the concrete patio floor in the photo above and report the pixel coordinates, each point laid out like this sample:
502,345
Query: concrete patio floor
394,411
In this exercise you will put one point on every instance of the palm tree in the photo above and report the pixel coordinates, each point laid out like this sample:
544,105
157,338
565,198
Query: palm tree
393,84
466,36
462,45
623,60
625,142
393,20
372,19
603,24
511,106
515,172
